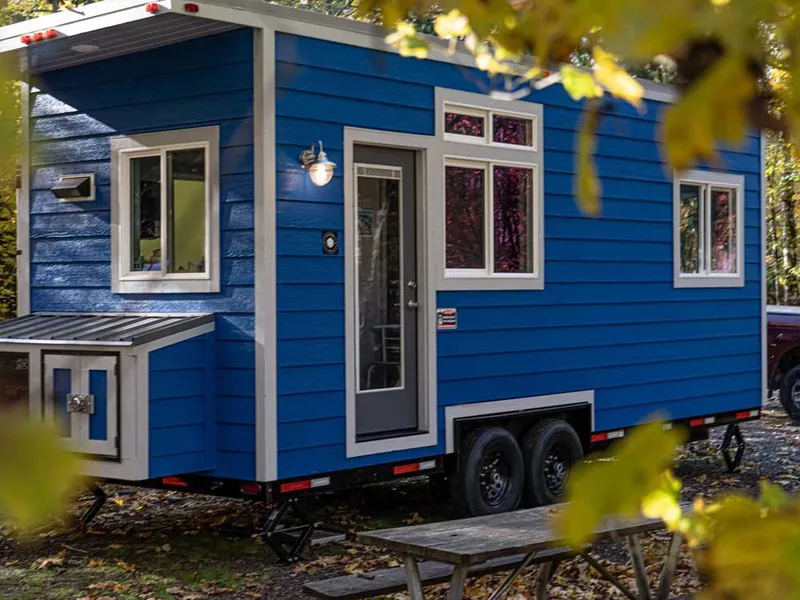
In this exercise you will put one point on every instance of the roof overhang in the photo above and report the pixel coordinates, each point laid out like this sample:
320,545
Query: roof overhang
103,30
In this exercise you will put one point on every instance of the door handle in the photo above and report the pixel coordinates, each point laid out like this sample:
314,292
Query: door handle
413,304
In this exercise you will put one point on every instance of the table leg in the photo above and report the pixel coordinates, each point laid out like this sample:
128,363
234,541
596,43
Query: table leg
607,575
671,562
456,590
639,569
546,571
413,579
501,591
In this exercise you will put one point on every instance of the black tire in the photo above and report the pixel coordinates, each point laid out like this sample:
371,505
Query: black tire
789,381
551,448
491,473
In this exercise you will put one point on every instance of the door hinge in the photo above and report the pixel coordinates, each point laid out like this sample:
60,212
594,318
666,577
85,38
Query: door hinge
116,442
116,369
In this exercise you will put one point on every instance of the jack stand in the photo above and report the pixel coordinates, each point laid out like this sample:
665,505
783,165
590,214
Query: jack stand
287,542
99,500
733,431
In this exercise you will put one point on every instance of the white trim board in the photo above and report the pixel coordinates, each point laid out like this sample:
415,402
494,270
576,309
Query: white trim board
24,205
428,188
500,407
266,305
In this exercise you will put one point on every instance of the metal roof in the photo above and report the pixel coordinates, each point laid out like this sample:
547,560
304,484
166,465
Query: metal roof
116,329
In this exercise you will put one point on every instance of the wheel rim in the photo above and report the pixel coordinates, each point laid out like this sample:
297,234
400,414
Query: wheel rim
796,394
494,478
556,469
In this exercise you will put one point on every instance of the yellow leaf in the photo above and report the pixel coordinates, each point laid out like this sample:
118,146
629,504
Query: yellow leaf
119,501
579,84
37,472
615,79
452,25
616,484
587,186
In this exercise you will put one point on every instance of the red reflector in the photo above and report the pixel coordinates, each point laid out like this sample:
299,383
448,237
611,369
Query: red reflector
175,481
38,36
696,422
50,34
599,437
296,486
26,39
743,415
403,469
152,7
190,7
252,489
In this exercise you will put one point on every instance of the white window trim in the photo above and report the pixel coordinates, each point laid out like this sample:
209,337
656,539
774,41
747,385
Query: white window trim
458,149
123,149
708,279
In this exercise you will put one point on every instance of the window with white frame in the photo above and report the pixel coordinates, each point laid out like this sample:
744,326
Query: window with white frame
166,212
708,229
492,205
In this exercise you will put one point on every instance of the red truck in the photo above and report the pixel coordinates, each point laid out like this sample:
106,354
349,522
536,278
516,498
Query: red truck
783,362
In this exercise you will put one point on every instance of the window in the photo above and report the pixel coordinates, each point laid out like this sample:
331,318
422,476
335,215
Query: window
708,230
166,198
492,209
491,127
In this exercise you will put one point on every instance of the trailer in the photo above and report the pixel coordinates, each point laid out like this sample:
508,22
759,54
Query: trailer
263,255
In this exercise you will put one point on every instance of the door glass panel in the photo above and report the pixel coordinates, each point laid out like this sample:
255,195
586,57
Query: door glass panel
62,385
380,287
14,380
98,421
186,203
146,213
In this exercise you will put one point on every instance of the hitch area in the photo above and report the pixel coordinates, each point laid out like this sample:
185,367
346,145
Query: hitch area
733,432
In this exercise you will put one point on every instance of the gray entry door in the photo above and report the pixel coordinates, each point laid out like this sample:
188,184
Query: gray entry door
386,292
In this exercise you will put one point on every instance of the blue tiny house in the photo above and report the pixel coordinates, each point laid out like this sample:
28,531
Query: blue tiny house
204,308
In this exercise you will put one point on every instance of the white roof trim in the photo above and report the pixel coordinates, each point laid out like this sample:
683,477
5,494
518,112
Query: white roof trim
109,13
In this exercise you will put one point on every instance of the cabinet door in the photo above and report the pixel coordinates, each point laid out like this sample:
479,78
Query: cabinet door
81,393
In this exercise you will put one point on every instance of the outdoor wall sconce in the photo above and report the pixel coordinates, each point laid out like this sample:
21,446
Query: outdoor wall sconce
320,169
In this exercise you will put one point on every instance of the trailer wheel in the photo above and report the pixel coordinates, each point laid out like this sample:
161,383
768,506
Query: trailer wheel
790,393
551,448
491,472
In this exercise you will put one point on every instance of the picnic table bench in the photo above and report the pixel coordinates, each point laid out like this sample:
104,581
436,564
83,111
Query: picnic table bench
458,549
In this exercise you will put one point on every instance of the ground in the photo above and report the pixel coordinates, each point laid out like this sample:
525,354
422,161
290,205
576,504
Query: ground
171,546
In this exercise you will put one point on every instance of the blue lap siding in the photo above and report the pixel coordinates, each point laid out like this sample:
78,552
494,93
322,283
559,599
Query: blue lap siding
609,318
74,114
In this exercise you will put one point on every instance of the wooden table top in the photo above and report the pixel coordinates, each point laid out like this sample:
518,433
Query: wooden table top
475,540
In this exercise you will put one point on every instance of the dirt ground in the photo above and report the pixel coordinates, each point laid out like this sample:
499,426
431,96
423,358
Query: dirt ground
171,546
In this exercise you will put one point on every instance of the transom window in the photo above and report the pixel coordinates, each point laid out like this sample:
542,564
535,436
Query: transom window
167,197
708,229
492,205
474,125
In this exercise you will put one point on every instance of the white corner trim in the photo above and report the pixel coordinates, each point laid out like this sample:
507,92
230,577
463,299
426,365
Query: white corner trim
123,149
24,205
500,407
708,280
266,335
490,154
763,268
428,193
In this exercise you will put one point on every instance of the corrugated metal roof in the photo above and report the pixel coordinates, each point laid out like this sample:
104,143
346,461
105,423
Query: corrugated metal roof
117,329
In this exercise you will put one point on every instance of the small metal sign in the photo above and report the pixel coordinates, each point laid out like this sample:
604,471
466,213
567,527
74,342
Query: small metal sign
330,242
446,318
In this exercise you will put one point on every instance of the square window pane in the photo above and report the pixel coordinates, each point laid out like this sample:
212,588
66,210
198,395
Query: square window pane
465,191
14,380
512,130
146,213
186,204
513,207
723,230
463,124
690,228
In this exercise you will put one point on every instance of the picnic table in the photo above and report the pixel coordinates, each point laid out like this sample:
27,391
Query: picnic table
466,543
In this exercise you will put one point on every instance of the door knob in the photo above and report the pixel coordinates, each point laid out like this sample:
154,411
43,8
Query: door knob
413,304
412,285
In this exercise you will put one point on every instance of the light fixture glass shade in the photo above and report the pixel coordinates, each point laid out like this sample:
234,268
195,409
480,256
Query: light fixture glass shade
321,172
